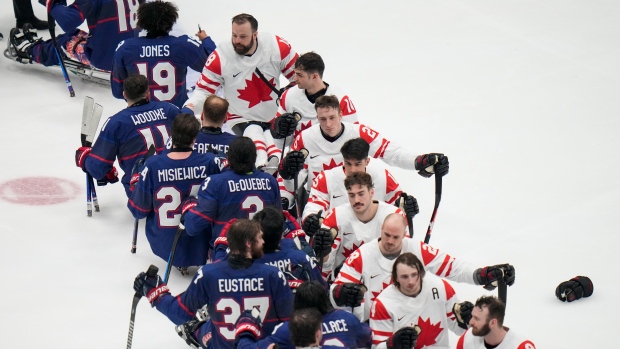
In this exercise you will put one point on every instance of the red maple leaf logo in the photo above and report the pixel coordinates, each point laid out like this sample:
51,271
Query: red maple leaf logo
347,252
383,287
256,91
429,333
302,127
329,166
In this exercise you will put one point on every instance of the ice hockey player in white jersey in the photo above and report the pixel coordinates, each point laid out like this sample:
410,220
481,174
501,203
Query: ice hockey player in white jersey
323,142
370,266
487,328
419,300
300,99
248,70
356,223
328,187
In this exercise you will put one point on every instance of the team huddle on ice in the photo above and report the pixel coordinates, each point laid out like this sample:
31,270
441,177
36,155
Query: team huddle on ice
299,231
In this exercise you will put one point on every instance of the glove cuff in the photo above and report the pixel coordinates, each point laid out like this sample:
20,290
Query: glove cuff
247,329
157,292
586,283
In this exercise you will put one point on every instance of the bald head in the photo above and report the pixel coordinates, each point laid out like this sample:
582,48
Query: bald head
393,232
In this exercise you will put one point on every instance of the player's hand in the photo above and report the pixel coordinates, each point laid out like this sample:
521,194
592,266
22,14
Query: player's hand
292,164
462,311
404,338
428,164
322,242
575,288
110,177
408,204
150,287
248,325
488,276
312,223
349,294
80,157
187,205
201,36
284,125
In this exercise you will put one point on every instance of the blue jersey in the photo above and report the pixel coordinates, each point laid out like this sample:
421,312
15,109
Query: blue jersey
230,195
164,61
340,329
163,186
127,135
227,292
109,22
210,139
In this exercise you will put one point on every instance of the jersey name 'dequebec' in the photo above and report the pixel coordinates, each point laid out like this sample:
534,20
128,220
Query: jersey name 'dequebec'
247,184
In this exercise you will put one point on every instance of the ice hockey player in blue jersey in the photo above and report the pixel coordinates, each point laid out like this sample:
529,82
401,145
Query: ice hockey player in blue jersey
338,328
109,22
162,58
297,266
127,135
166,181
211,138
223,290
236,193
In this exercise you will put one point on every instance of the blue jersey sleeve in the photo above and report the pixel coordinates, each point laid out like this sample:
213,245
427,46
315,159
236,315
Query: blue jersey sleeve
119,72
70,17
283,298
182,308
140,203
201,218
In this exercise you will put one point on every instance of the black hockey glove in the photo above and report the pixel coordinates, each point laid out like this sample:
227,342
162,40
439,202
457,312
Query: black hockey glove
248,325
428,164
488,276
404,338
575,288
292,164
349,294
187,205
284,125
322,242
408,204
462,311
312,223
110,177
136,171
151,287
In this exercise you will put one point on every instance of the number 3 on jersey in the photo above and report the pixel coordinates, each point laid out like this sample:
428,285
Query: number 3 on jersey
232,310
164,75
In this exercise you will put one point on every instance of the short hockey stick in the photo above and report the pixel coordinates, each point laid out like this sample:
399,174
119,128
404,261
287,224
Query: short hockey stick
438,184
91,113
134,240
89,193
177,236
502,290
93,193
296,188
151,272
52,27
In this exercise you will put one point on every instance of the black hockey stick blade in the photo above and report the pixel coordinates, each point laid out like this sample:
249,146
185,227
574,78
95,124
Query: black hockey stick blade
431,224
151,272
177,236
502,290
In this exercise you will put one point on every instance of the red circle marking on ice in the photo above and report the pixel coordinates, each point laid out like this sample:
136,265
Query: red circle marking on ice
38,190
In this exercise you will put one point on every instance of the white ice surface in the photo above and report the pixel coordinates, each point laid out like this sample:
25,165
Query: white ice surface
523,96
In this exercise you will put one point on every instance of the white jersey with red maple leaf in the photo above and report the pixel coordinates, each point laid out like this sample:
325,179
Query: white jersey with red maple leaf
512,340
248,95
295,100
369,267
431,310
324,155
328,188
352,232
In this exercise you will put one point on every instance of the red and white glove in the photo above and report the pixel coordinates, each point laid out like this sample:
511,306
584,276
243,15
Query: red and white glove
80,157
110,177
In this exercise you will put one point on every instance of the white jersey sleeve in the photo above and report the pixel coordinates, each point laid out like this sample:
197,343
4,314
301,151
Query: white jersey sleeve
512,340
440,263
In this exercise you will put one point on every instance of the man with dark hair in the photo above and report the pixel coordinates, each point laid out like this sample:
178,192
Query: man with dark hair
109,22
221,291
240,192
368,270
340,328
300,99
488,330
164,183
248,70
127,135
355,223
323,142
416,310
328,187
162,58
211,138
